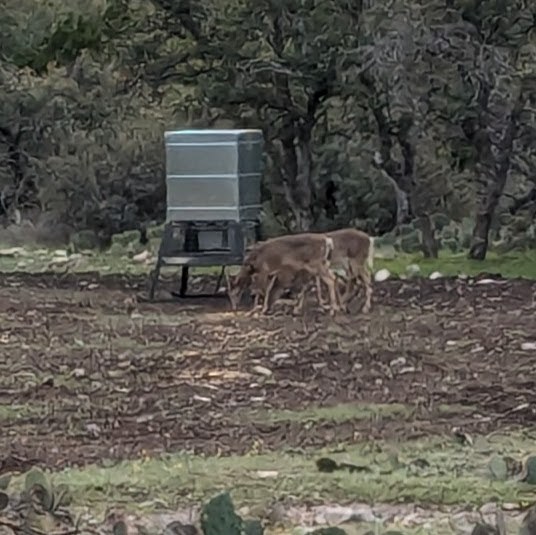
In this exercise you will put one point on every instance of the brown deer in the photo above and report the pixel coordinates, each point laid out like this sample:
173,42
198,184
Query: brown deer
353,252
282,263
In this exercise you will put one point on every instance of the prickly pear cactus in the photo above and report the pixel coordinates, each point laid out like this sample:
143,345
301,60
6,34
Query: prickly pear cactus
4,500
252,527
120,528
218,517
484,529
530,470
37,485
5,480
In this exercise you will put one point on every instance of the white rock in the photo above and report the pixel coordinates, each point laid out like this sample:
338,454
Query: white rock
528,346
435,275
265,474
79,373
486,281
204,399
59,260
280,356
261,370
141,257
335,515
60,252
413,269
13,251
382,275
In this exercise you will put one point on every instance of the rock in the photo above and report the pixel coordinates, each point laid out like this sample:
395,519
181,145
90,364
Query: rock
413,269
528,346
60,253
280,356
335,515
382,275
13,251
201,398
261,370
59,260
267,474
435,275
78,373
141,257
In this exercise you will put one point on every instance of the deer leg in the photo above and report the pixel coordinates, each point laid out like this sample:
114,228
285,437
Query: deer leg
268,293
319,291
329,279
365,276
256,305
298,309
325,305
344,299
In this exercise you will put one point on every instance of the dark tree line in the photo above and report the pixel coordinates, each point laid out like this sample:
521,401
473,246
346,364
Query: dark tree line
378,115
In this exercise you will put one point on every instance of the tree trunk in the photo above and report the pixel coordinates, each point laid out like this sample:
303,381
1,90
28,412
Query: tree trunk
296,174
430,248
494,164
479,241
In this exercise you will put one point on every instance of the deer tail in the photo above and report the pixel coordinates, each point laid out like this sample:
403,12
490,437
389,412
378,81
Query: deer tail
329,248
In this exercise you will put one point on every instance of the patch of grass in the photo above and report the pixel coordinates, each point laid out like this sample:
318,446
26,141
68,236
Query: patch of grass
11,413
511,265
426,472
117,260
338,413
344,412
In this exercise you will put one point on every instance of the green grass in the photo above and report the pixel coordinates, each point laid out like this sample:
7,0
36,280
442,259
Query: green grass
12,413
455,474
339,413
118,260
511,265
344,412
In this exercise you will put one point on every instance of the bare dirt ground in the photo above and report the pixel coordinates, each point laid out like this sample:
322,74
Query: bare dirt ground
89,378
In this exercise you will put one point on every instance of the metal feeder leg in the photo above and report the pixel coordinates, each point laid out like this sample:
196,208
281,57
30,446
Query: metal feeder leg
184,281
220,278
168,232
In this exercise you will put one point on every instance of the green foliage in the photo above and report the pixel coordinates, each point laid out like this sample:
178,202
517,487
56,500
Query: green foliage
218,517
374,114
37,483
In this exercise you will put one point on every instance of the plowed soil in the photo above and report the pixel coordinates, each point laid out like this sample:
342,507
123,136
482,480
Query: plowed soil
90,376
